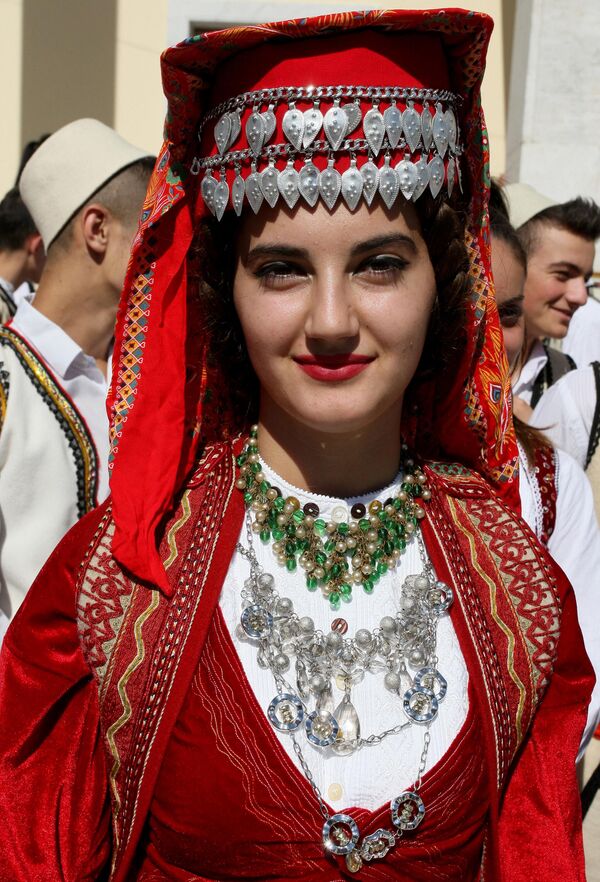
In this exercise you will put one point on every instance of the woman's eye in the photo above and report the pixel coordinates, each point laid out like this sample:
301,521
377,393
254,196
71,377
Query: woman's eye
510,314
383,266
277,274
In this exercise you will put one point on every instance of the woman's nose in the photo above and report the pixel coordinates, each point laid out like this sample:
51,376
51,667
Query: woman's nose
332,316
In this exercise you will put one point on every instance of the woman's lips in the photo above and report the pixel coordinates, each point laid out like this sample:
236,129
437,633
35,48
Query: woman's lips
333,368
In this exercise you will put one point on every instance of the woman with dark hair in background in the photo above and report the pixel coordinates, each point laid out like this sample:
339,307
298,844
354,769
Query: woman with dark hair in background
308,638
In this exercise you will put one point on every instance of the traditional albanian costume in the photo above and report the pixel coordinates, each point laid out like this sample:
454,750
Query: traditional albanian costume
139,746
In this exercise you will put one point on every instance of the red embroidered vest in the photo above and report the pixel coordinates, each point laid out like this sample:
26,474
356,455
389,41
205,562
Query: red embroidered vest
145,650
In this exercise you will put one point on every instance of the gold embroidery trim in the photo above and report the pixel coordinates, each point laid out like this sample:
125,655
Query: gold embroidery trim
172,534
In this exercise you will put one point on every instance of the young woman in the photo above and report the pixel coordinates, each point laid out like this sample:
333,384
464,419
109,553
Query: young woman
308,638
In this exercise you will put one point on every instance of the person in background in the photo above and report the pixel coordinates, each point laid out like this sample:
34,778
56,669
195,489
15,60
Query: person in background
22,253
559,243
556,497
84,187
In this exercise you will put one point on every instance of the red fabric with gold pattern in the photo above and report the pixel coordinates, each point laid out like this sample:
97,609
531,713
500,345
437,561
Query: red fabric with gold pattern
166,398
545,473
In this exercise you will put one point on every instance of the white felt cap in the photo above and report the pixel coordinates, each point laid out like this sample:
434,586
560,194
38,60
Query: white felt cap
68,168
524,203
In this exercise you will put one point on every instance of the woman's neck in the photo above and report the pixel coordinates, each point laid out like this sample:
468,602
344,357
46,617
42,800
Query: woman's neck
342,466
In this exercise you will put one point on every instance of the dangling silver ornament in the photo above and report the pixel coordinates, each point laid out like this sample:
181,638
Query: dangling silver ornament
221,198
389,184
255,132
354,114
411,124
207,189
451,128
270,123
374,129
313,123
237,194
450,181
335,124
293,126
222,131
370,176
426,127
254,193
407,177
408,810
440,131
436,175
288,182
330,184
236,127
308,183
392,119
349,727
352,185
422,169
268,185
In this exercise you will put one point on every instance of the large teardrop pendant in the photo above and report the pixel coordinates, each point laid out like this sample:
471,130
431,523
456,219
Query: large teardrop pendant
349,732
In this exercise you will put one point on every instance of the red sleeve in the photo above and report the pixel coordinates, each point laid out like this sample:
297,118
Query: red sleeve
54,808
540,834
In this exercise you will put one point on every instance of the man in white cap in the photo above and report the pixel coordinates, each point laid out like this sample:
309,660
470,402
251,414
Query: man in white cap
84,187
559,241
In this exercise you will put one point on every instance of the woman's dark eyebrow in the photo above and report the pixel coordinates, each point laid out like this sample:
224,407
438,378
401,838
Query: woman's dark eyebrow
383,242
292,251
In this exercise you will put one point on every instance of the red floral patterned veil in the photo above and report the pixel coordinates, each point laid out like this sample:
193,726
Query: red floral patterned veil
166,399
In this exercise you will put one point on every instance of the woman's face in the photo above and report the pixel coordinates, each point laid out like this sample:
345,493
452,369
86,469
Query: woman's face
509,280
334,308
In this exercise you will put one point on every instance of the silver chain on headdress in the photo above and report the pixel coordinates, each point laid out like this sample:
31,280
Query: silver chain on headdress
433,136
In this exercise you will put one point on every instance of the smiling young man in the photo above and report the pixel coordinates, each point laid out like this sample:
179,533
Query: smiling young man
560,243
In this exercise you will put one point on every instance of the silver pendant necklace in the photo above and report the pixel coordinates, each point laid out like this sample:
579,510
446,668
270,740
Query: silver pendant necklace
402,649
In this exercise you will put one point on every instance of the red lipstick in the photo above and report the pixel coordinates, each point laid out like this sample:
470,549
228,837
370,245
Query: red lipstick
333,368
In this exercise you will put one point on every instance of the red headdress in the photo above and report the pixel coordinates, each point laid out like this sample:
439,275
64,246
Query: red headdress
165,399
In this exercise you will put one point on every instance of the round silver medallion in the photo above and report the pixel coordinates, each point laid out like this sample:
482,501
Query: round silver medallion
420,705
286,712
431,679
440,597
256,621
340,834
321,729
408,810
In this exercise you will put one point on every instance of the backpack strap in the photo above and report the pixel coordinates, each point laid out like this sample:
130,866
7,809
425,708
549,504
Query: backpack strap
595,430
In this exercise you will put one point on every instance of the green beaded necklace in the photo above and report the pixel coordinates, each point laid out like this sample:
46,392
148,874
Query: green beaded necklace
335,556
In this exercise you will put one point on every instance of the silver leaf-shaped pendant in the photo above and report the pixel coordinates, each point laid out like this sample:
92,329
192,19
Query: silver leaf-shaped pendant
236,127
309,183
221,199
270,123
254,193
354,114
237,194
458,173
302,680
207,189
452,129
293,127
374,129
268,185
222,133
411,123
440,132
288,182
352,186
436,175
422,178
389,186
255,132
426,127
392,119
370,176
335,125
313,123
330,184
324,703
450,173
407,177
